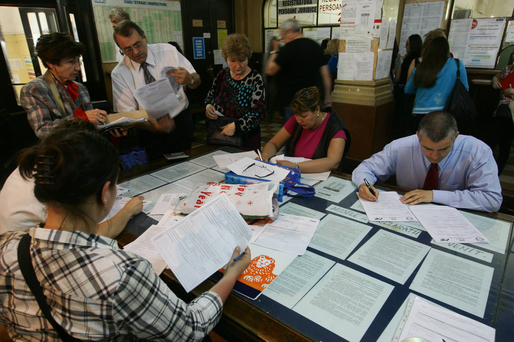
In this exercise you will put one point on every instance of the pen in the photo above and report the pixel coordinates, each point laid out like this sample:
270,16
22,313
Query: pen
259,153
130,194
237,258
369,187
249,166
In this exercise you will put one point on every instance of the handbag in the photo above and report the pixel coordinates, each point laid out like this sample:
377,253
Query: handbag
214,136
460,104
27,269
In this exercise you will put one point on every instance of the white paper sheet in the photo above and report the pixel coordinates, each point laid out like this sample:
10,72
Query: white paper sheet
358,43
446,224
466,250
164,203
384,30
456,281
189,183
256,169
315,176
495,230
298,278
177,171
347,213
207,160
119,203
335,189
383,64
142,184
157,98
288,233
300,210
203,242
391,35
346,66
144,247
338,236
354,298
440,324
363,64
390,255
224,160
388,207
169,218
123,122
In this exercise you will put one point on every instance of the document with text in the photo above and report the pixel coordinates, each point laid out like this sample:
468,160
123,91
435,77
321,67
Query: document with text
459,282
446,224
388,207
203,242
334,189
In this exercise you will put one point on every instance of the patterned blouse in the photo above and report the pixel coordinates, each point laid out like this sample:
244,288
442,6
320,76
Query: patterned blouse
505,99
244,99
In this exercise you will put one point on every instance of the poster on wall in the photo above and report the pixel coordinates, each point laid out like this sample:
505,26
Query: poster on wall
161,21
420,18
305,11
476,42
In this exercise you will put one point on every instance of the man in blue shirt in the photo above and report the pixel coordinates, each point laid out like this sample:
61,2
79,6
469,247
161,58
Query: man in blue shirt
464,173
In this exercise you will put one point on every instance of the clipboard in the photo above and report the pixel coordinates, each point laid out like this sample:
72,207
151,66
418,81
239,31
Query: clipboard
507,81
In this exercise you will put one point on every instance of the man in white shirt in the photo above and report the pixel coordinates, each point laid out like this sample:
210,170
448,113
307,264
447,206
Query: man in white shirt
142,65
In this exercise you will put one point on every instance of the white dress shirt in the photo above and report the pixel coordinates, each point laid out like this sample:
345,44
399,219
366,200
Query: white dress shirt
128,76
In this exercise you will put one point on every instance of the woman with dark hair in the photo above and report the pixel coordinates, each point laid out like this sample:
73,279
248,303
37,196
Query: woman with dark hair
502,127
433,80
54,97
238,92
94,290
311,133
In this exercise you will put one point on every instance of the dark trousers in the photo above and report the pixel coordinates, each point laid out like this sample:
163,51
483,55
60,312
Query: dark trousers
157,144
501,133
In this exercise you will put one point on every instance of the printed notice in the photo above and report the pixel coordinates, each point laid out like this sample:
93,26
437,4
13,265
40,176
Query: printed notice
354,298
335,189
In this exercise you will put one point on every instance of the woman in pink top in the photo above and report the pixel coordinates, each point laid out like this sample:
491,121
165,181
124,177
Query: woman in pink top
311,133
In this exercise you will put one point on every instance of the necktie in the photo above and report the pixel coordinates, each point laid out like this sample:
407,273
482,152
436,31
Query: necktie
432,180
148,76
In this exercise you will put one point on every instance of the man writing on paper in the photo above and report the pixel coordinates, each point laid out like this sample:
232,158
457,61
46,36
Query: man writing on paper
439,164
300,63
142,65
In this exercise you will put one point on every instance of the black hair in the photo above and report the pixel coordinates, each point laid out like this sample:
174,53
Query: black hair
415,46
438,125
434,58
56,46
70,165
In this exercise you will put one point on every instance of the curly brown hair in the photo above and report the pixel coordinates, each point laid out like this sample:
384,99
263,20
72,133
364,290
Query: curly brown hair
236,45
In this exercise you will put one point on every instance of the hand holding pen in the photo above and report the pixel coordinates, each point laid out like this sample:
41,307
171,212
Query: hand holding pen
367,191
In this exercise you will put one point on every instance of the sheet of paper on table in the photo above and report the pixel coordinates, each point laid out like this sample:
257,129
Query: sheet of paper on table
164,203
169,218
453,280
322,176
388,207
433,323
142,184
203,242
256,169
288,233
334,189
157,98
355,300
145,248
207,160
224,160
446,224
390,255
177,171
119,203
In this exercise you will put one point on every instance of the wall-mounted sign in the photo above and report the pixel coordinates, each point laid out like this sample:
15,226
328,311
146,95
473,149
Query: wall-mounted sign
222,24
199,48
197,23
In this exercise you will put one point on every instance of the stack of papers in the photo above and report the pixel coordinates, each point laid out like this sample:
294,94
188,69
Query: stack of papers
315,175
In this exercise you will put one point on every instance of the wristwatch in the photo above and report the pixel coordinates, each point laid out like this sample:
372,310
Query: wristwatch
272,52
192,80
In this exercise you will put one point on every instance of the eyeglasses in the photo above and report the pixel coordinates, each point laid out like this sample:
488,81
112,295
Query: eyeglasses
130,49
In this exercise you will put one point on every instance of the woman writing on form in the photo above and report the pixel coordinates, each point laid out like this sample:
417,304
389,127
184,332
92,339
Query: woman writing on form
312,134
94,290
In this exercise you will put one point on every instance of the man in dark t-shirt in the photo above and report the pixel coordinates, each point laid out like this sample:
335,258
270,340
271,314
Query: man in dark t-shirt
299,64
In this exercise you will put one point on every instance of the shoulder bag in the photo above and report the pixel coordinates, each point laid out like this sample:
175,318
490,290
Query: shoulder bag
460,104
214,136
25,262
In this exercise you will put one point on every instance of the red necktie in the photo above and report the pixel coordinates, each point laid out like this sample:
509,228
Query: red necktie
432,180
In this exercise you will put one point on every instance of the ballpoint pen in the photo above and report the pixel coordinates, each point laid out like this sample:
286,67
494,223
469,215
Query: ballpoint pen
260,155
369,187
237,258
130,194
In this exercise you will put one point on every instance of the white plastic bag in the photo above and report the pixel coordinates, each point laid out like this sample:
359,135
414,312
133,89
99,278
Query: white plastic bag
251,200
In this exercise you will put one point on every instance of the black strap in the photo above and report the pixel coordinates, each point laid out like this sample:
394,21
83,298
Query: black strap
458,68
25,262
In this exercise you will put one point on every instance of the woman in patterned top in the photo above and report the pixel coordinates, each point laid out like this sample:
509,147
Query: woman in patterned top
238,92
95,290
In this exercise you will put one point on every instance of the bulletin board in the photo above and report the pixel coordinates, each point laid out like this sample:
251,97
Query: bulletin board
161,21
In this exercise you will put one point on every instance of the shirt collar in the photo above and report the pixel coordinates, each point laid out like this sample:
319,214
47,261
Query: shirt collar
75,238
